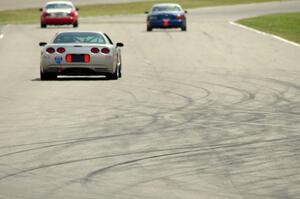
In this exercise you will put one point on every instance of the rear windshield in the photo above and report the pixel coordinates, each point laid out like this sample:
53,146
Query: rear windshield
58,6
79,37
165,8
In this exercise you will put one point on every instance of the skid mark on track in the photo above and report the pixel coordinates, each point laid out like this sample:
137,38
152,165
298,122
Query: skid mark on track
75,141
94,158
152,122
236,116
235,131
192,149
189,152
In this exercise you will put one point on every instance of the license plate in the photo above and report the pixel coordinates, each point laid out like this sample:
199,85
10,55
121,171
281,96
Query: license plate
77,58
59,15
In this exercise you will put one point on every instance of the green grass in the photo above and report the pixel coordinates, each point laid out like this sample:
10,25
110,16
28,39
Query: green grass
285,25
32,15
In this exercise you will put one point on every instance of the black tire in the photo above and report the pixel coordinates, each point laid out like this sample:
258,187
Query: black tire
120,71
183,28
120,67
113,76
75,25
43,25
44,76
149,29
48,76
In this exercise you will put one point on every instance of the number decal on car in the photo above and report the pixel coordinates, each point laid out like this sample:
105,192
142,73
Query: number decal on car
58,59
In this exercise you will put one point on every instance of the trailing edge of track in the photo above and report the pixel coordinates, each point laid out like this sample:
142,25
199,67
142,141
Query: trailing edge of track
1,31
264,33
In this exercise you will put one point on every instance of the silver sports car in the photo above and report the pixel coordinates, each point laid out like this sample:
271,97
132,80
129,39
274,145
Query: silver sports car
80,54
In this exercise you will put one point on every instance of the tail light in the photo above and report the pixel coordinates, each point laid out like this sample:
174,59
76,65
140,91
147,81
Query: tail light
86,58
72,14
105,50
95,50
45,14
61,50
152,17
50,50
180,16
69,58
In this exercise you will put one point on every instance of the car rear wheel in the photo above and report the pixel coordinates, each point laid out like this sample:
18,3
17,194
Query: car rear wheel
113,76
48,76
43,25
120,71
183,28
149,28
75,24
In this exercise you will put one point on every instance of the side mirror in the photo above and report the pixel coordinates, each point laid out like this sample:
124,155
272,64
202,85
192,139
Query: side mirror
42,43
146,12
77,9
41,9
120,44
185,11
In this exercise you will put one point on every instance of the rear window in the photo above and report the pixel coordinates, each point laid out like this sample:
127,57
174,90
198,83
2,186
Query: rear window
79,37
165,8
58,6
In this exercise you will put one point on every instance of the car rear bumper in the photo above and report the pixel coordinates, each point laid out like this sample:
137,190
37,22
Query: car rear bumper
166,23
78,69
58,20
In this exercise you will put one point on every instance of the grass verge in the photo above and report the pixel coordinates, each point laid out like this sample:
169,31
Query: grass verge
285,25
32,15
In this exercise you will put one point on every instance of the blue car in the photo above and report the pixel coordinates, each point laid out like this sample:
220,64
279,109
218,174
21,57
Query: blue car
166,15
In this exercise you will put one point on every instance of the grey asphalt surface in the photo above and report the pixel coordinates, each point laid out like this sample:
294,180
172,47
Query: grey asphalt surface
19,4
210,113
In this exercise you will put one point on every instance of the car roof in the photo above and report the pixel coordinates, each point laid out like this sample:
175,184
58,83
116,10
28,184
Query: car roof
79,32
59,2
96,32
166,4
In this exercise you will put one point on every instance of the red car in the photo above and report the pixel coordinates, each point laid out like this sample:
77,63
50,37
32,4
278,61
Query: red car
59,13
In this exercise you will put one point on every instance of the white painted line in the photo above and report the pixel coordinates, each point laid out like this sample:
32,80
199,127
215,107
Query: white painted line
1,36
264,33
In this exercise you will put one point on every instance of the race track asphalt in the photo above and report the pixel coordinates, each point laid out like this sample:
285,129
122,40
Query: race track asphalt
210,113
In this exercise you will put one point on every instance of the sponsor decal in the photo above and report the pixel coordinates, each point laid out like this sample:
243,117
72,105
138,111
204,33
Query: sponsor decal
58,59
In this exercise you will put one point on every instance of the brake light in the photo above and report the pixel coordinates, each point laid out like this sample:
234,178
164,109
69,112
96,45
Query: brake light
69,58
61,50
95,50
180,16
105,50
72,14
45,14
50,50
86,58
